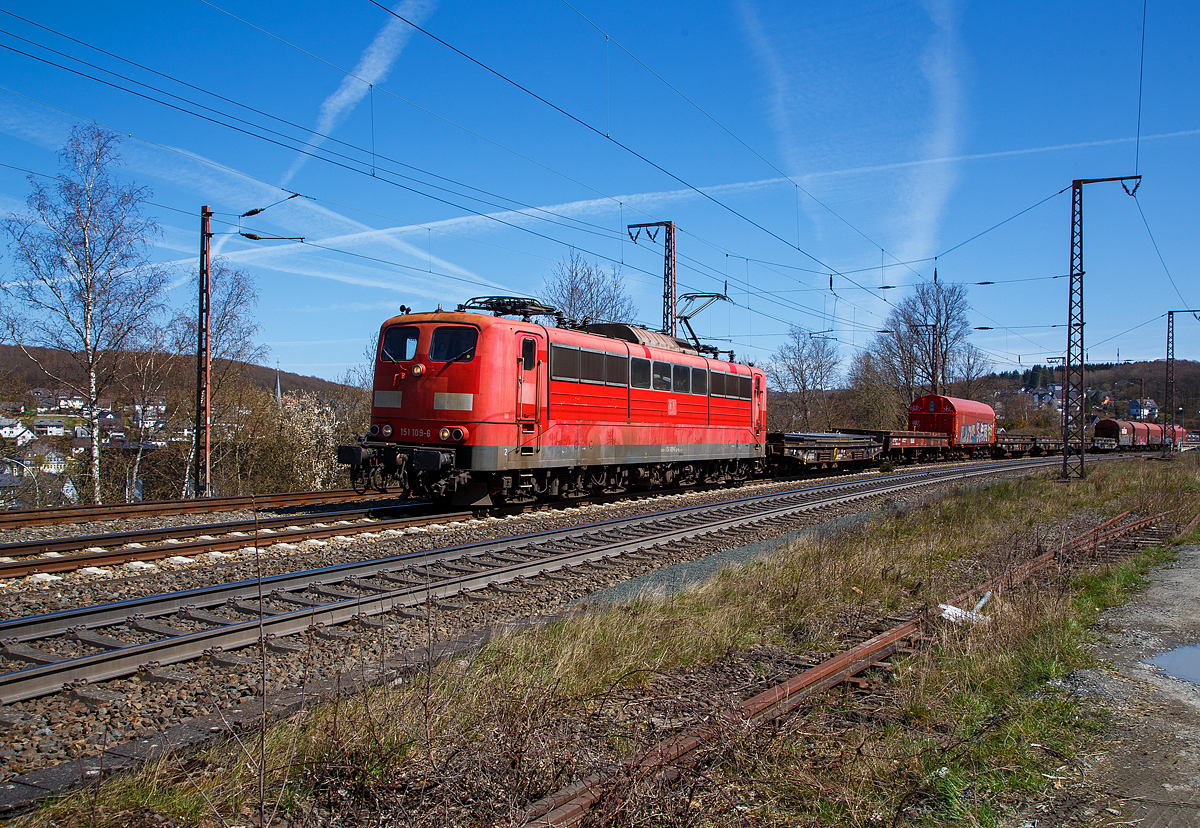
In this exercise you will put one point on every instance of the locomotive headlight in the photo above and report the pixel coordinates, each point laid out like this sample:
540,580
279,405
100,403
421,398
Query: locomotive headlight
386,431
444,434
374,429
418,370
458,434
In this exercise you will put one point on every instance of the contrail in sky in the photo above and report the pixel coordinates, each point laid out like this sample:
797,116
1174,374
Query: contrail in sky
376,61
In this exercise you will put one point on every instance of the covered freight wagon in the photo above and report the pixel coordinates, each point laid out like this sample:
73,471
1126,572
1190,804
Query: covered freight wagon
1120,431
965,422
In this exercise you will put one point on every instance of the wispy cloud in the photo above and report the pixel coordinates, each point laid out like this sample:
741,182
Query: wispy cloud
373,66
930,190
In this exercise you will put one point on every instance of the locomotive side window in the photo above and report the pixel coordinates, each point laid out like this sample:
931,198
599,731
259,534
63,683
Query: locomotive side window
683,376
699,381
662,376
399,344
618,369
744,387
718,384
453,344
564,363
639,372
591,367
528,354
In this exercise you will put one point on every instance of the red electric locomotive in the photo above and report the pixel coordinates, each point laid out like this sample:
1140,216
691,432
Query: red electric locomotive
488,409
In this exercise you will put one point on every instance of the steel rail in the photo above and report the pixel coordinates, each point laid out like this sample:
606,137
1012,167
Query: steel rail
665,527
57,623
106,555
112,557
51,515
671,755
70,543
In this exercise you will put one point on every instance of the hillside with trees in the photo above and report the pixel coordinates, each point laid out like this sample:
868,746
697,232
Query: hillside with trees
98,374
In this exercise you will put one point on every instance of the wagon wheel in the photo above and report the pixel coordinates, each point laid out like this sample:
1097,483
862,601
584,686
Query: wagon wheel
359,482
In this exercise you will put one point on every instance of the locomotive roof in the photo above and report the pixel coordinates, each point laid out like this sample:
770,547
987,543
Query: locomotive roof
608,330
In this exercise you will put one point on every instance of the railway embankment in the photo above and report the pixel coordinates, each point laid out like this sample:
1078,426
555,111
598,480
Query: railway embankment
972,721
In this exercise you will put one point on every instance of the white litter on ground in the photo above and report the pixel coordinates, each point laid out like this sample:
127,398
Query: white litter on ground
141,565
44,577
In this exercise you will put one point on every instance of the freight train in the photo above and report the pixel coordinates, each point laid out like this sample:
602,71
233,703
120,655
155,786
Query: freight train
480,408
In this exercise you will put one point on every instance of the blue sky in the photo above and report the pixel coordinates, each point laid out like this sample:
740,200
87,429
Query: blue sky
787,140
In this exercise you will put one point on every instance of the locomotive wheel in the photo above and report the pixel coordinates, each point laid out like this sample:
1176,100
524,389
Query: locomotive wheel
376,479
359,482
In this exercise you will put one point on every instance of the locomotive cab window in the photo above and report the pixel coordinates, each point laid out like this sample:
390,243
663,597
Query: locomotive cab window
744,387
453,344
639,372
662,376
399,344
528,354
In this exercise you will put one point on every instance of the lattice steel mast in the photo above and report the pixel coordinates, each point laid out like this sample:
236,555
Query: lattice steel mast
1073,369
203,482
1169,384
669,320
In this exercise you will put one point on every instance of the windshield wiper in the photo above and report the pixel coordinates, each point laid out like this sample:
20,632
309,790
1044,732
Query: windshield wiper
463,354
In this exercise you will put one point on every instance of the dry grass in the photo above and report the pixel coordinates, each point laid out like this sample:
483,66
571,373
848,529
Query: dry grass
947,742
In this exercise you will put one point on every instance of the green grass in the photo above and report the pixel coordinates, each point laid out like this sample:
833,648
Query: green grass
473,742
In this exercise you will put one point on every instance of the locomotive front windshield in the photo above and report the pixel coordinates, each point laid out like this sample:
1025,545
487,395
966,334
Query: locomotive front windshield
399,344
453,344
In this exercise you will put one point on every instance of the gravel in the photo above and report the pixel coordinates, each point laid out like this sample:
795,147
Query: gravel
78,723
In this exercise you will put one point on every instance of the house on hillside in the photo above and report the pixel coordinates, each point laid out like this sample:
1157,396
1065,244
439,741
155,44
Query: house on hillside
69,401
44,400
1146,409
43,457
15,430
149,409
49,428
11,409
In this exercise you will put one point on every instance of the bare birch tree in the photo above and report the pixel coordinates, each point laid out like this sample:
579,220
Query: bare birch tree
802,374
83,282
583,290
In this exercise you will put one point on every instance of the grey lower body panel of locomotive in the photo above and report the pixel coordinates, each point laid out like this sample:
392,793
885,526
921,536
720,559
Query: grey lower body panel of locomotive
510,458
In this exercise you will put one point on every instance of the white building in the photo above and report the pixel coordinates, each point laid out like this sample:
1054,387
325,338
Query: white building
15,430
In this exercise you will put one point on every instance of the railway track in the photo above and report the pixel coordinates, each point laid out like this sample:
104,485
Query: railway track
670,758
97,643
69,553
57,515
115,548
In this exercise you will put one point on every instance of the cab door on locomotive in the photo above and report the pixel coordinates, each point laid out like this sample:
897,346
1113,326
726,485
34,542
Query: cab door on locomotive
530,383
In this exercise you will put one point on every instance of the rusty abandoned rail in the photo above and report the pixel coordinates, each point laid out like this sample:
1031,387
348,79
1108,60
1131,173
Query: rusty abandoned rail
671,756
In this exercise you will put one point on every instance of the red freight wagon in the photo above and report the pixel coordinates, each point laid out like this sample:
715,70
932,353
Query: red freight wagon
1180,435
967,423
483,407
1141,434
1120,431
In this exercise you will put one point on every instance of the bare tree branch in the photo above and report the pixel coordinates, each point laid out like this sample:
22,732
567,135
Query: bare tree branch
582,290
